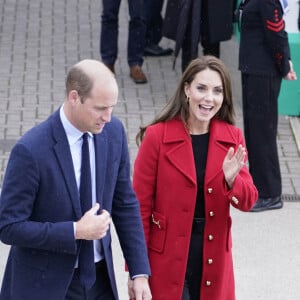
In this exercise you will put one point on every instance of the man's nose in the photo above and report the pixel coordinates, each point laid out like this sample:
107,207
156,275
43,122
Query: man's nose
106,115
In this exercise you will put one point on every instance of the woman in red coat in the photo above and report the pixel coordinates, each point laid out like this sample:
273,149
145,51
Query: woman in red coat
189,169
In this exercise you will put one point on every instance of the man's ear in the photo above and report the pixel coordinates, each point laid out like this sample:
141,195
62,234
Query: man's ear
73,96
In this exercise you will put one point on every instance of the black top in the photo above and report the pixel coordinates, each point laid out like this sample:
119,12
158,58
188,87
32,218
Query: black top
200,148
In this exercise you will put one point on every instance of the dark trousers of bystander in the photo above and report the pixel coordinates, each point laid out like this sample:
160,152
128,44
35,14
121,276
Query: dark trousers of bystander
110,27
154,21
260,111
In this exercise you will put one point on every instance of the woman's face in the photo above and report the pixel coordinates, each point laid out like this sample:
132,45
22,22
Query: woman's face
205,95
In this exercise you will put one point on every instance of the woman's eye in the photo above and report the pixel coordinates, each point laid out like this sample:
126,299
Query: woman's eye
201,88
219,91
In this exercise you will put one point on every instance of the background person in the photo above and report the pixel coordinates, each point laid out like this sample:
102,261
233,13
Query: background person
264,59
189,170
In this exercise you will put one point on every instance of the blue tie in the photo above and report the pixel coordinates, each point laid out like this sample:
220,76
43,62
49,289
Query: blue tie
86,253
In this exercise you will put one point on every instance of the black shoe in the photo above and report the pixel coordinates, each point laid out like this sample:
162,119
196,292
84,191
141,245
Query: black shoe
156,50
267,204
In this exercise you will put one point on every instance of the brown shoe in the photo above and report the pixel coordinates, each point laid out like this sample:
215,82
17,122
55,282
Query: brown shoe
111,67
137,74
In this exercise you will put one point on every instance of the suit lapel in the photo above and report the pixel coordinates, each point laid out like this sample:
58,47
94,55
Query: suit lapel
64,158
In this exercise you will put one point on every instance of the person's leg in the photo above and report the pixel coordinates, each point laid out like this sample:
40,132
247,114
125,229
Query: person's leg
187,54
154,24
211,49
136,35
194,266
185,292
101,290
136,41
109,31
154,21
260,111
189,48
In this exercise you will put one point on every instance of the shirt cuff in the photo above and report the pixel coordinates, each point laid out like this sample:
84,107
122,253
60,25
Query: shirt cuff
140,275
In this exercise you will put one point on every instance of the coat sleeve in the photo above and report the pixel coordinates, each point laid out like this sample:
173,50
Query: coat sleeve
276,37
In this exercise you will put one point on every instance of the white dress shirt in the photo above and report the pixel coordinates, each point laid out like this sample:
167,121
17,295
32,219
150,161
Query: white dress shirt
75,142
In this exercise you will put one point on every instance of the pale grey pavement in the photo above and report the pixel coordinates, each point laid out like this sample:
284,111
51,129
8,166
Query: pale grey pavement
40,40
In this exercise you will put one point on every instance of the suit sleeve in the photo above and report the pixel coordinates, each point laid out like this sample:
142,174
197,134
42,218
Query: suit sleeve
127,219
18,205
276,36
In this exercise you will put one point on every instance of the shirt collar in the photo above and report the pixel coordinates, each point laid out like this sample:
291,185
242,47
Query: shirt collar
73,134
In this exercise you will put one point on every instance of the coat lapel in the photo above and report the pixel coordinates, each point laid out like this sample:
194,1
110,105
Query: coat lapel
64,158
181,152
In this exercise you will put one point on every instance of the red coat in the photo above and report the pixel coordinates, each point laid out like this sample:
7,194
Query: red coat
164,180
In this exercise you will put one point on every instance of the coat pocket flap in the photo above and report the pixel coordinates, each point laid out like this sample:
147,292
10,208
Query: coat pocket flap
158,232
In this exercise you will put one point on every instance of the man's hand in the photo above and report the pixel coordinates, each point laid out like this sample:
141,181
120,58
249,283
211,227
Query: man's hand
291,75
92,226
138,289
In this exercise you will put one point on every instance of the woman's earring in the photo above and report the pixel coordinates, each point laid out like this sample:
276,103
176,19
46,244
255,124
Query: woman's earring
187,99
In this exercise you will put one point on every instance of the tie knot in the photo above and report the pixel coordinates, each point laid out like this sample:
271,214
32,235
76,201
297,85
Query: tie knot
85,136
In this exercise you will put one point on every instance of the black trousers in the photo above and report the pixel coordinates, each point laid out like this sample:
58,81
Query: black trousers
193,275
101,290
260,111
189,49
154,21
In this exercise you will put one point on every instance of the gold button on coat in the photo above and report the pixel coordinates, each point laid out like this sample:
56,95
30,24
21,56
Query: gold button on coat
208,283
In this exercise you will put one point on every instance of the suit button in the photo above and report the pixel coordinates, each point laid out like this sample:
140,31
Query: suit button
209,190
208,283
210,261
211,213
210,237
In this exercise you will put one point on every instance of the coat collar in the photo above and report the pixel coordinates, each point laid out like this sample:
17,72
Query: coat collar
219,131
181,153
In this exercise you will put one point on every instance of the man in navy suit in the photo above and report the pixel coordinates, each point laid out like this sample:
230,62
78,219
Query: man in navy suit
40,211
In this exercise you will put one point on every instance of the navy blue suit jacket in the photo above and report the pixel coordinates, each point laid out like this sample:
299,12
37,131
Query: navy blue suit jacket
40,201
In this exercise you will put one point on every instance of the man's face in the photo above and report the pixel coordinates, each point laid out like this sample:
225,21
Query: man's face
96,110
